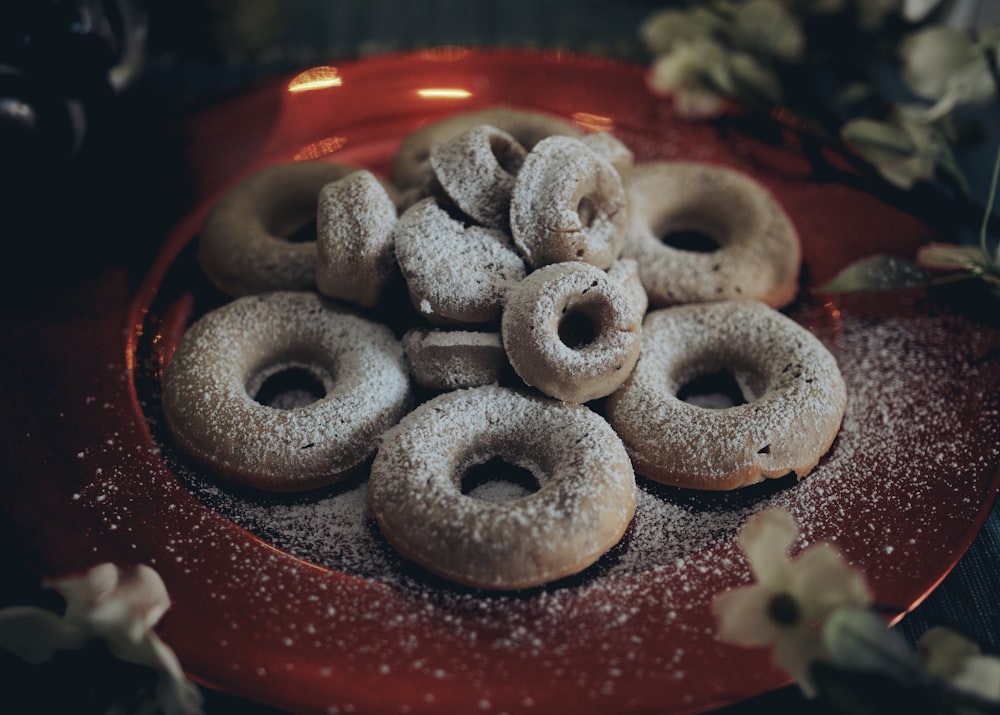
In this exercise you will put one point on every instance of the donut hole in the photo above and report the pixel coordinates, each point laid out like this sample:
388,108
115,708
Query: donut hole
507,155
693,241
588,210
714,391
691,233
286,387
578,327
497,480
298,226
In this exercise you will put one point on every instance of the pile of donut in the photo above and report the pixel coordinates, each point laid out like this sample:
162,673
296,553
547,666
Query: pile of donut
550,328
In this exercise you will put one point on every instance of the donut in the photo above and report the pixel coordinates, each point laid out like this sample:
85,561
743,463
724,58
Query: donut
626,272
568,204
572,331
355,218
610,148
223,362
411,167
455,274
758,253
244,246
795,397
453,359
476,170
586,493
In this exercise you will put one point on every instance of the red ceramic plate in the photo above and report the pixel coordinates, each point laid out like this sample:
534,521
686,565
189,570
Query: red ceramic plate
297,602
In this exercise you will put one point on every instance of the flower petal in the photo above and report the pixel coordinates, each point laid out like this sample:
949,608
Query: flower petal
794,652
979,674
134,607
665,28
948,256
822,580
902,153
933,56
82,593
34,634
917,10
766,538
741,616
943,651
767,26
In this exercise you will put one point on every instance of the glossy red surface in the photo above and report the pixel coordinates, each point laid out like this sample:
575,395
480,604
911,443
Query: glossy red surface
902,493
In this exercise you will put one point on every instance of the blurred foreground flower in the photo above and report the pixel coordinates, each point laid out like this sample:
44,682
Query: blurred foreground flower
950,66
710,53
111,605
786,605
815,611
902,150
960,662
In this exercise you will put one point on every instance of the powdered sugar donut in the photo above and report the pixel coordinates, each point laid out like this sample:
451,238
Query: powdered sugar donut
355,217
758,255
571,331
795,396
585,500
612,150
476,170
626,272
411,167
213,382
244,246
452,359
455,274
569,204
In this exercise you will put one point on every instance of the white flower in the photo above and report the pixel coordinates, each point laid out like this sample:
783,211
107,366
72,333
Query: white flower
959,661
944,65
767,27
902,150
119,607
791,596
695,74
665,28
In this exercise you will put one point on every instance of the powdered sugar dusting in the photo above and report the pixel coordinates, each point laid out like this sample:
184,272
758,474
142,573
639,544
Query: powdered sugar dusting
902,423
455,273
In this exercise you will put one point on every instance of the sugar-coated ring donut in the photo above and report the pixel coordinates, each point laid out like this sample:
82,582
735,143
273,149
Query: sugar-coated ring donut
626,272
585,501
355,217
411,166
610,148
453,359
224,359
476,169
568,204
758,254
572,331
795,396
455,274
244,246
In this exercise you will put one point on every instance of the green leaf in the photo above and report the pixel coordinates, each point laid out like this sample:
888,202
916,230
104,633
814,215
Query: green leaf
857,638
876,273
